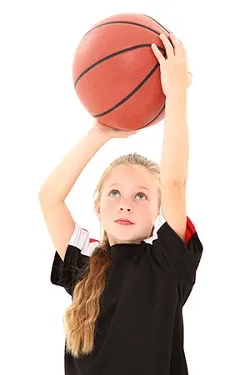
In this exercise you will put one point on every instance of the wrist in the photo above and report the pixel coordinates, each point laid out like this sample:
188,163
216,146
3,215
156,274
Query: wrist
180,96
99,134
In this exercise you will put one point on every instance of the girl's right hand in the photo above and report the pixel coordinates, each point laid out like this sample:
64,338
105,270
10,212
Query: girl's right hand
111,132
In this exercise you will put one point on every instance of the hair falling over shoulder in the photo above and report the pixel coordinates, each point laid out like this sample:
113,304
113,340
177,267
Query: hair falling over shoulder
80,317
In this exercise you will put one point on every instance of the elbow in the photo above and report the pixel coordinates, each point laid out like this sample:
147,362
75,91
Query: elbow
174,182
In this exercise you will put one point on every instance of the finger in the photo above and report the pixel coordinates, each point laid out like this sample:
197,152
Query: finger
167,44
157,53
173,36
184,51
178,46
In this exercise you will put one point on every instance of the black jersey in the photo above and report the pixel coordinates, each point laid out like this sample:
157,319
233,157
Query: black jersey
139,330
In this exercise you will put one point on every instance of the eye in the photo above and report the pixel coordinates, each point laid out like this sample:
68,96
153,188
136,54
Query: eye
140,193
112,191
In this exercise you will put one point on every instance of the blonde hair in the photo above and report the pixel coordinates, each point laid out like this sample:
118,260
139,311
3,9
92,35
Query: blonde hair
81,316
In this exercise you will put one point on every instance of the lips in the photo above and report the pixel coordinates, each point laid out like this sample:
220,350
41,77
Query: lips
123,221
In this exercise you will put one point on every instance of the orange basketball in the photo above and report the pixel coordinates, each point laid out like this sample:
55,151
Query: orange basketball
116,75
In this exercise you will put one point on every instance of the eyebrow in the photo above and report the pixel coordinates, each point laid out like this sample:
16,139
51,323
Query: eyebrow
141,187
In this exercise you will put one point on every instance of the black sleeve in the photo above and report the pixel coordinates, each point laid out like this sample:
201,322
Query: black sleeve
68,272
184,290
175,256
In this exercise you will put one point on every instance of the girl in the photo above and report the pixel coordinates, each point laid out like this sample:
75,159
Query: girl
128,291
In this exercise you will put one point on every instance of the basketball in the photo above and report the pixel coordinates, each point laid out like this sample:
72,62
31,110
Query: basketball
116,75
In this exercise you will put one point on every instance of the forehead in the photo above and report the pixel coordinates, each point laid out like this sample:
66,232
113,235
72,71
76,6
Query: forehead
130,175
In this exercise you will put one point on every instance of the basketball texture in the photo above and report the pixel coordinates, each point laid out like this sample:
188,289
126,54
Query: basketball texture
116,75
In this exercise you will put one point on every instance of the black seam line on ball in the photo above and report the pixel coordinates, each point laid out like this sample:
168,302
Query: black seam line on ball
169,31
129,95
129,23
153,118
115,54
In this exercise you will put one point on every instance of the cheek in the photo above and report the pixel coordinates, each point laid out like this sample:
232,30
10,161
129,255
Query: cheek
108,213
107,206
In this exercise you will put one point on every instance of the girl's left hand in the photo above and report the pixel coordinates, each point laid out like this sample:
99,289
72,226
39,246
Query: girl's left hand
175,78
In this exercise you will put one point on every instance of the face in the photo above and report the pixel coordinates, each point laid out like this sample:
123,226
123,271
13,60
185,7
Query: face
129,192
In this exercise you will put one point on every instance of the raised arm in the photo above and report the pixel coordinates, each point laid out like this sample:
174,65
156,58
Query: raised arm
59,183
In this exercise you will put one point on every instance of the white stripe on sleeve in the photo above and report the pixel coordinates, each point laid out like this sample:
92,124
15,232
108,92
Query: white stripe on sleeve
80,239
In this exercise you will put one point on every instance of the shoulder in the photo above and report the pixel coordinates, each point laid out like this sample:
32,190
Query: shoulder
160,223
82,240
68,272
173,254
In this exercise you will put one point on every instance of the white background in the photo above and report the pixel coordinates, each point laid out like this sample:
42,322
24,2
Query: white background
42,120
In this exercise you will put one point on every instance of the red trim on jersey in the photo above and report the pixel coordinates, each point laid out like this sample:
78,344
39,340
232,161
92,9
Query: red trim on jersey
91,239
190,230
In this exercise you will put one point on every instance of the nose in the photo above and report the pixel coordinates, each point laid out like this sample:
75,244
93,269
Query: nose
128,209
125,207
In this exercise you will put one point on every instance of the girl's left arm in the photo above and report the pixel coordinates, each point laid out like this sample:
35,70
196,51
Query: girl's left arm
174,164
175,80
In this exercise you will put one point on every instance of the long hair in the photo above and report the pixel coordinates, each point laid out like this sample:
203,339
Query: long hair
80,318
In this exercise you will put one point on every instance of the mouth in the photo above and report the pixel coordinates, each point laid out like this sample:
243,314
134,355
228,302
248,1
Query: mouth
124,222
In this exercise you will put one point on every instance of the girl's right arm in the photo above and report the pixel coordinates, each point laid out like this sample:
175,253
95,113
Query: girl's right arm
57,186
